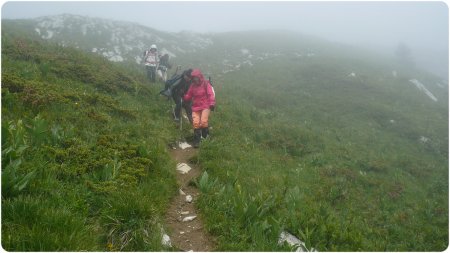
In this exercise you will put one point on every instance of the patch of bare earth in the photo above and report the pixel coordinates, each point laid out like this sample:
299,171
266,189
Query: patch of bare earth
187,235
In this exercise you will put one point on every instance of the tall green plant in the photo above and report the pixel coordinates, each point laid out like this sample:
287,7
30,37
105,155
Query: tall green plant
15,145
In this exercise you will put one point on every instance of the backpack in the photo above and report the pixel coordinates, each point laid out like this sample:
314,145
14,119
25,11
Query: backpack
151,58
170,84
212,87
164,62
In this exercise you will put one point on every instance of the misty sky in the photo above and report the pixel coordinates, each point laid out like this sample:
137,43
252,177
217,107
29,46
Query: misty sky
421,25
366,22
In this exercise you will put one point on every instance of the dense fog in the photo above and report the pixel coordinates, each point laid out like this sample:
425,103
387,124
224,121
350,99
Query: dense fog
420,27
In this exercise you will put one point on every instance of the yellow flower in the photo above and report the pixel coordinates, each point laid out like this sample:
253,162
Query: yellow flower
109,246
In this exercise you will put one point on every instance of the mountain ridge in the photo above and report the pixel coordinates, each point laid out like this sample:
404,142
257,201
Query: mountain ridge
125,41
116,40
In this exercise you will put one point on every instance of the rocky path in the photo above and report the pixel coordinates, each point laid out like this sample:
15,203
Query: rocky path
185,226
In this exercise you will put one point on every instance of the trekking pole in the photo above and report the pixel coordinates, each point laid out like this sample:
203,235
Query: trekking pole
176,71
181,115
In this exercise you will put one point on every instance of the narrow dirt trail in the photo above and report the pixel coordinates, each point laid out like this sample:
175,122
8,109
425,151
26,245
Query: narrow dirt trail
187,235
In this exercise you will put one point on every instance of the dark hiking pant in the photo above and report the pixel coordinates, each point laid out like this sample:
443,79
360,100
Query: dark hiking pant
179,105
151,73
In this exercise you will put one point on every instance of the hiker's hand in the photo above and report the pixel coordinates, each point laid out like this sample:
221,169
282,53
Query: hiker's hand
211,107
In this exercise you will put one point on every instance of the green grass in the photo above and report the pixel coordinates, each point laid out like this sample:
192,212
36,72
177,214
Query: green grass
302,147
85,166
321,151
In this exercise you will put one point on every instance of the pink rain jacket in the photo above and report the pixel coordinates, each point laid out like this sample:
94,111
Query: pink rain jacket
203,94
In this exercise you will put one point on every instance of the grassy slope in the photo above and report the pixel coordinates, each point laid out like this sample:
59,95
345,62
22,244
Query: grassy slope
83,152
316,153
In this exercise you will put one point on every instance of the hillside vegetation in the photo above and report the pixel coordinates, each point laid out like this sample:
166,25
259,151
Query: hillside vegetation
346,162
84,161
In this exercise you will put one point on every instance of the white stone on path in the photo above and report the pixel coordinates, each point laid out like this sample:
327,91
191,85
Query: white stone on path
165,241
184,213
189,198
183,168
189,218
293,242
184,145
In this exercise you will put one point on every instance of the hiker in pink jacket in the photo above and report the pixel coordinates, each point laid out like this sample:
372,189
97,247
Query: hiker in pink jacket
202,94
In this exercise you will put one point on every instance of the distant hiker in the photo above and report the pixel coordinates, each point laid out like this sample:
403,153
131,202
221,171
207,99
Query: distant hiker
164,65
151,61
176,87
202,94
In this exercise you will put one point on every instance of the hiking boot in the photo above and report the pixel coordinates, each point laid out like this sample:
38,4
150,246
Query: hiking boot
197,137
205,132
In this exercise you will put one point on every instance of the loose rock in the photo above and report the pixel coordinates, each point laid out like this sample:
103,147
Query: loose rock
165,241
293,242
183,168
189,218
184,145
